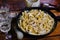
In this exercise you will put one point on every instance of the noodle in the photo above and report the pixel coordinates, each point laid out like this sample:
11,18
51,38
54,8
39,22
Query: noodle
36,22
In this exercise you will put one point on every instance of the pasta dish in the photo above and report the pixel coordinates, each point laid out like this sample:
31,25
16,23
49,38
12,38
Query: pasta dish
36,22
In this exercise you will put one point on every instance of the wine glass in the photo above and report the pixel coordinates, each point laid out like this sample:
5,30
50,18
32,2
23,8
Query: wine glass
5,21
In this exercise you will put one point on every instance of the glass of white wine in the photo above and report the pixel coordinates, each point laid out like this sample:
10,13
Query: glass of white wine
5,21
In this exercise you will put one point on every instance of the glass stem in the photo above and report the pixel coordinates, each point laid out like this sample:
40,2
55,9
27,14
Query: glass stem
6,36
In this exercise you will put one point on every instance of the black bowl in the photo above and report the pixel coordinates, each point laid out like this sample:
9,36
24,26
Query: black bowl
39,8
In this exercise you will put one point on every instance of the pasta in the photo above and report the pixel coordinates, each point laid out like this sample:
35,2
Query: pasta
36,22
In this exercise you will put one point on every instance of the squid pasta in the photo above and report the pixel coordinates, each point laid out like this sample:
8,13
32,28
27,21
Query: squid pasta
36,22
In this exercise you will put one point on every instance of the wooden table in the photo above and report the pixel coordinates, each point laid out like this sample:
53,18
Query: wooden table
55,35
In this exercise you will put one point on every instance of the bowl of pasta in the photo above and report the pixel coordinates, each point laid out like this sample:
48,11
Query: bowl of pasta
36,21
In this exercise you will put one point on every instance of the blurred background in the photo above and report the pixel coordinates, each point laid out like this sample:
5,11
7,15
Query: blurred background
17,4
